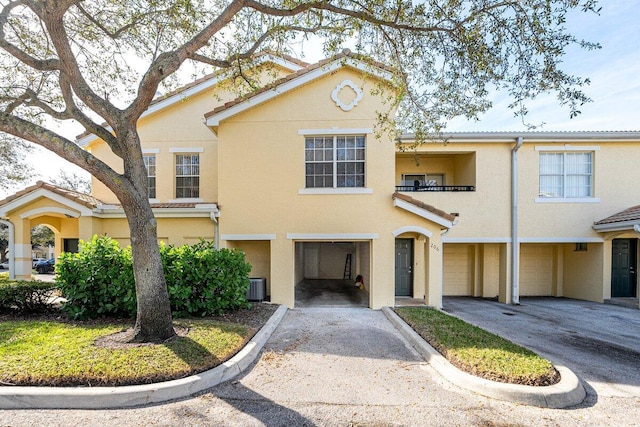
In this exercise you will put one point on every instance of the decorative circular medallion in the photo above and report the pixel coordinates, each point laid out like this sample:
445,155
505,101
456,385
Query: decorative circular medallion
335,95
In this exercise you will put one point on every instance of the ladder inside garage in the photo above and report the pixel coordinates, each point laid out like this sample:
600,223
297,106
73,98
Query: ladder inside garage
347,267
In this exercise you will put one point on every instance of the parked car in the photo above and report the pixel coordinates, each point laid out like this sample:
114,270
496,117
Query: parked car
4,265
46,266
35,261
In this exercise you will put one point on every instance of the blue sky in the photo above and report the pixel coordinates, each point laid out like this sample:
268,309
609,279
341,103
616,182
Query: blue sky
614,71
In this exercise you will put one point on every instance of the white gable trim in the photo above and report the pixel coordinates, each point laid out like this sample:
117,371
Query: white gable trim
248,237
412,229
336,131
422,213
41,192
43,211
215,119
332,236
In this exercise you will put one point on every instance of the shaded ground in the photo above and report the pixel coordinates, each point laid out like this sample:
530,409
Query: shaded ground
330,293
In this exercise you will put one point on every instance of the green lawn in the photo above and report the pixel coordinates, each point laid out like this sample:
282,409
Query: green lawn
477,351
46,352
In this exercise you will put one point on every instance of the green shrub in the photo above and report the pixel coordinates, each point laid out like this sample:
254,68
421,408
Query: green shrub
201,280
25,296
98,280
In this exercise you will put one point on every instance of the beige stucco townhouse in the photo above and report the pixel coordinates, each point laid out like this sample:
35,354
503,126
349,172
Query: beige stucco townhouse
295,175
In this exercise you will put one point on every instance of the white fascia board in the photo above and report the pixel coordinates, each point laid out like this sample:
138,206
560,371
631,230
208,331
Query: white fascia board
422,213
41,192
561,240
537,137
616,226
446,239
215,119
50,210
248,237
332,236
160,213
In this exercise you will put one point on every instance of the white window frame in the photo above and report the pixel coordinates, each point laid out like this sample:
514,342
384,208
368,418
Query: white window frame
176,176
151,176
336,133
563,150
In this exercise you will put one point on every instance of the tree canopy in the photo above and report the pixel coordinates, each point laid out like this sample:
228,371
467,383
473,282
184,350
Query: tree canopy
99,63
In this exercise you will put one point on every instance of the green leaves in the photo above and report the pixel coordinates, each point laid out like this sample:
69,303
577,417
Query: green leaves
201,280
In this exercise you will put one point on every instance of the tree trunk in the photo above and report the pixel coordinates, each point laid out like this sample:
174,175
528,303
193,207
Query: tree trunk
153,321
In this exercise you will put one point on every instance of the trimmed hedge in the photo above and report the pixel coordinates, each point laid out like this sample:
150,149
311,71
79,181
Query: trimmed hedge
201,280
25,296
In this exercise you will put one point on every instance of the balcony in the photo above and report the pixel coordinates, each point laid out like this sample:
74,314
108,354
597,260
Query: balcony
420,187
436,172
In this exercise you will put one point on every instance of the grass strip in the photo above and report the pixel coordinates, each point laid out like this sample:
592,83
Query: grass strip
477,351
64,354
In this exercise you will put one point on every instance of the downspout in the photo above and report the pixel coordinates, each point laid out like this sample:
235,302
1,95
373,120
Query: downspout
515,244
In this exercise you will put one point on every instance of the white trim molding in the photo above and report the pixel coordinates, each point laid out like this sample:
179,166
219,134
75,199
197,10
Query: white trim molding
49,210
341,190
336,131
179,150
150,151
41,192
332,236
412,229
567,147
335,95
567,200
247,237
424,213
470,240
561,240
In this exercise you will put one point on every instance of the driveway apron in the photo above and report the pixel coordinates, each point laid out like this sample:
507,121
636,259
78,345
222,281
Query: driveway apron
338,356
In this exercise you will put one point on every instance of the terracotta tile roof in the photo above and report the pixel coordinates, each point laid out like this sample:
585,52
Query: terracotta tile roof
630,214
75,196
344,54
422,205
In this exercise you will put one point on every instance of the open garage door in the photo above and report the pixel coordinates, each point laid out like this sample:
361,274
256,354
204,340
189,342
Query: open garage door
326,271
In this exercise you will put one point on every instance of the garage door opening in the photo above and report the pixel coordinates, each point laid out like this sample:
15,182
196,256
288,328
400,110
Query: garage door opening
326,272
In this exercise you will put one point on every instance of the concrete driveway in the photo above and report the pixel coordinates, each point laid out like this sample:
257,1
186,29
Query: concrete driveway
600,343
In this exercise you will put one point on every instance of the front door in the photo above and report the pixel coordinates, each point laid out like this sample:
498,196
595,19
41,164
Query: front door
404,262
623,268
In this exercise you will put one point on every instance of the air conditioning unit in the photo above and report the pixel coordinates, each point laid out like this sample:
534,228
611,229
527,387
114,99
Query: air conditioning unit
257,289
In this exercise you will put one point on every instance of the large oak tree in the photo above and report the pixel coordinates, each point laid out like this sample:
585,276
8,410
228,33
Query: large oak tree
100,63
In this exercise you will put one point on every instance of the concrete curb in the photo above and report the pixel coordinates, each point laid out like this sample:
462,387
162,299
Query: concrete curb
568,392
128,396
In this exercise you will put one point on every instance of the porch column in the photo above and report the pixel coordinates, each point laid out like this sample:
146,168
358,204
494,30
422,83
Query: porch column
21,254
282,266
504,288
433,296
607,251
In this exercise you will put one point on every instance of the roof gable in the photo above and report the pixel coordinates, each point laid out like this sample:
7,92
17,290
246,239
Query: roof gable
198,86
626,220
424,210
83,203
294,81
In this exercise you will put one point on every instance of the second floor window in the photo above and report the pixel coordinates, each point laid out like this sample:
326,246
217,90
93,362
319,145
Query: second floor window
150,164
566,174
334,161
187,176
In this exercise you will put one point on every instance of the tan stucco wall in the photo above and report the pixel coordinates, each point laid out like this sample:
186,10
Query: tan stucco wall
261,170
